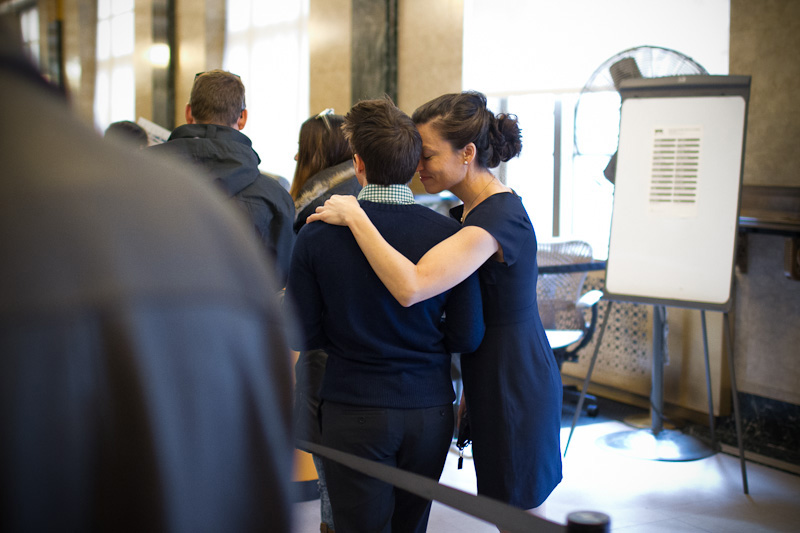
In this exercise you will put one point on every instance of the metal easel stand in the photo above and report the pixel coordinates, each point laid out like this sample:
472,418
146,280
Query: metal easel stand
588,377
658,443
736,413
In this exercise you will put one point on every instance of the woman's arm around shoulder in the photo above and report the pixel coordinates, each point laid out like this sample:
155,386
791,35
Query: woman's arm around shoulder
443,267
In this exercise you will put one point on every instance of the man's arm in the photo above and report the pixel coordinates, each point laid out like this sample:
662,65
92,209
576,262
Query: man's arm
271,210
463,321
305,298
282,234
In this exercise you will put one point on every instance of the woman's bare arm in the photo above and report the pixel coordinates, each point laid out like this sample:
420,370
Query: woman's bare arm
444,266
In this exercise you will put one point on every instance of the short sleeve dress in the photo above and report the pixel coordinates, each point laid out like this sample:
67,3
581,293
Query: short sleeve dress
512,383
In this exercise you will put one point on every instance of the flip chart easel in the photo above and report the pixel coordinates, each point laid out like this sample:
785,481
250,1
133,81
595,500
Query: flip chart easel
674,223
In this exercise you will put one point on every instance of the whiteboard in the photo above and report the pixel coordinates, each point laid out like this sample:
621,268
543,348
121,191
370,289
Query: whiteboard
676,200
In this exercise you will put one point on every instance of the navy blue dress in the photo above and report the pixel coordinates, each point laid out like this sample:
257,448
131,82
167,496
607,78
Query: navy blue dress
512,383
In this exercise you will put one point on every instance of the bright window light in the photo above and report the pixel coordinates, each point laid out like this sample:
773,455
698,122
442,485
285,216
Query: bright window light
122,34
29,24
159,55
122,93
103,40
548,51
120,7
267,45
103,9
115,94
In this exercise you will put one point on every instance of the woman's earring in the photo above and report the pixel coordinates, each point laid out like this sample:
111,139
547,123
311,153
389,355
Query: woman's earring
466,162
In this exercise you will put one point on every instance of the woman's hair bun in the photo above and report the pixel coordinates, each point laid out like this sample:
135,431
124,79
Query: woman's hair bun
505,139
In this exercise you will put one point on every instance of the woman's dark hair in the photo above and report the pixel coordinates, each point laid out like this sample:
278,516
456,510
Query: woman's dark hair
322,144
462,118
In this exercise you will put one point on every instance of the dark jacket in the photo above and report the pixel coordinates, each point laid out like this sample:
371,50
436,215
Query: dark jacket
227,155
381,354
338,179
310,366
144,375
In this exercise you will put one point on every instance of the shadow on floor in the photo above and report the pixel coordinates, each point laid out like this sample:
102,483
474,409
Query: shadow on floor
607,410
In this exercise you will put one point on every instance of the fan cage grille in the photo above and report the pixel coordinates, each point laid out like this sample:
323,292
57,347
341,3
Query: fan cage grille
653,62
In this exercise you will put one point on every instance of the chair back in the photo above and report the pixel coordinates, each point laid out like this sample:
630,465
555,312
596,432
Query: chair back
557,294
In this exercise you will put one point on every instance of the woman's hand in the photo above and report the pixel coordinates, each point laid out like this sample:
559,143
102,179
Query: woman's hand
338,210
441,268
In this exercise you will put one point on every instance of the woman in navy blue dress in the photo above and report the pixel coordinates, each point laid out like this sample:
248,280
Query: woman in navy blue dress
511,383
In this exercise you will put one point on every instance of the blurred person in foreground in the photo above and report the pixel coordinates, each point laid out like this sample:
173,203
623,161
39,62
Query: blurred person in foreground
144,376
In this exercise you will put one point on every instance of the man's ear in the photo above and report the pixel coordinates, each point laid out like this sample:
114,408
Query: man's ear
188,114
361,169
242,120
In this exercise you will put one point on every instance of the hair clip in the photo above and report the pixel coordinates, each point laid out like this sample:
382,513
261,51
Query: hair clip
324,116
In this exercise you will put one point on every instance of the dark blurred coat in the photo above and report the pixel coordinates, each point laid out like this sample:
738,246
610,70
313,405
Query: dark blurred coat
227,156
144,377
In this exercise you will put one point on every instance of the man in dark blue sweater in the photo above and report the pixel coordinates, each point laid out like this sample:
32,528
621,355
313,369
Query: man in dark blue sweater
387,393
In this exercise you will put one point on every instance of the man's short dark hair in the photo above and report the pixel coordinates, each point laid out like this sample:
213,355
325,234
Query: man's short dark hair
217,98
386,139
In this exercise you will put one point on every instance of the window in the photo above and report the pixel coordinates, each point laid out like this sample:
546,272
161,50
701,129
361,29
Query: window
267,45
29,23
115,95
535,64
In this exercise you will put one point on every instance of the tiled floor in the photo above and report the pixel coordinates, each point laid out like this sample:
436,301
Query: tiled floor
639,495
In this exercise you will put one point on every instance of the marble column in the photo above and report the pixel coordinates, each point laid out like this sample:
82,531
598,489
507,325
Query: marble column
374,52
164,77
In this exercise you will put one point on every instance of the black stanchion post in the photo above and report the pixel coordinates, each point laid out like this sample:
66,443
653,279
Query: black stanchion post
588,522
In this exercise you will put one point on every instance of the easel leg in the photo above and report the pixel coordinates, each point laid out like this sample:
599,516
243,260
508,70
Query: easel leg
736,414
708,381
657,375
588,376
